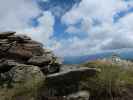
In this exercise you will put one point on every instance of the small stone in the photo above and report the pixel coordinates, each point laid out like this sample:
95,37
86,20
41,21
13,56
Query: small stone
40,60
81,95
19,38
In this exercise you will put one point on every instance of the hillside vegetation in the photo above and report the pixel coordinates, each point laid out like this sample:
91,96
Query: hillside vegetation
114,82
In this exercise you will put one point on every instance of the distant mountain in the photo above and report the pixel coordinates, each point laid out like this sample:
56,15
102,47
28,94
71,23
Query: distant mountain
81,59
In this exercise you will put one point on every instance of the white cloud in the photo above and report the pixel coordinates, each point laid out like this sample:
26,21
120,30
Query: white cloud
72,30
93,8
44,0
43,31
16,14
106,36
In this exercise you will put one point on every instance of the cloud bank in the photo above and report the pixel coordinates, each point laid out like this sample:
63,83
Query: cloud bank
15,15
91,26
97,21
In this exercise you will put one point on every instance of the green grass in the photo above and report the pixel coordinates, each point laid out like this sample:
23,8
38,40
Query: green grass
22,91
112,82
24,86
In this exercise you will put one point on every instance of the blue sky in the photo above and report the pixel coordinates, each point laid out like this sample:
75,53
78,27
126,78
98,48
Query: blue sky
72,27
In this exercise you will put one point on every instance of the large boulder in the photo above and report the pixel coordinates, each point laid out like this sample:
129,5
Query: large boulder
40,60
26,74
21,81
48,63
74,75
20,46
25,50
68,79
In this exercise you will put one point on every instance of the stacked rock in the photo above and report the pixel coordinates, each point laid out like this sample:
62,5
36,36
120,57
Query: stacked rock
22,49
25,62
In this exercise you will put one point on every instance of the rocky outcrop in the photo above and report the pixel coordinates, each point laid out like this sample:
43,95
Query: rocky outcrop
21,49
25,65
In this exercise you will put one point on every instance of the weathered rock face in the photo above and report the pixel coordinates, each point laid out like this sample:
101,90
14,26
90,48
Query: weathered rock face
25,65
19,80
21,74
68,79
21,49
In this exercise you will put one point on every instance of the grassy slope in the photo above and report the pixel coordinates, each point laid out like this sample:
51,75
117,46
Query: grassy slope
113,83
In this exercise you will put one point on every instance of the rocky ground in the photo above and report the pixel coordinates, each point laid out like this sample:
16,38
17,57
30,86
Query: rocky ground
29,71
